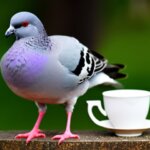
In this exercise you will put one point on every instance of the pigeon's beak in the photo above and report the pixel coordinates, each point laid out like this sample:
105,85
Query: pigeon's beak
9,31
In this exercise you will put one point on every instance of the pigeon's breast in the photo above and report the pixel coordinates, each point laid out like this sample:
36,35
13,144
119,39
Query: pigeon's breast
21,68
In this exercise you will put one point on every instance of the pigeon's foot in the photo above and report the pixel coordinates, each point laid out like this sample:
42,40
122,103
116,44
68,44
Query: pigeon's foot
63,137
31,135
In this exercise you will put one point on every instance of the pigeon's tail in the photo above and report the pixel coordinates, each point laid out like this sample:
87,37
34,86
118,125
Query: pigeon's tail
108,76
113,71
103,78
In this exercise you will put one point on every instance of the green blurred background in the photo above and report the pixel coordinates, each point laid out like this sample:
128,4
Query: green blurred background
118,29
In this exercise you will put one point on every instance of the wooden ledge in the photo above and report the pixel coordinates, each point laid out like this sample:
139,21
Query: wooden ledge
89,140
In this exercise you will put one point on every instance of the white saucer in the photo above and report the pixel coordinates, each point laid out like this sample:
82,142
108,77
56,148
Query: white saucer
126,132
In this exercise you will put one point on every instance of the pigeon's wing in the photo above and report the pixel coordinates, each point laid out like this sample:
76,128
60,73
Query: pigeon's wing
79,60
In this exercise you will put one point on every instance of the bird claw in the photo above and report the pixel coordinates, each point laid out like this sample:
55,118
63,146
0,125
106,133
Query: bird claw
63,137
31,135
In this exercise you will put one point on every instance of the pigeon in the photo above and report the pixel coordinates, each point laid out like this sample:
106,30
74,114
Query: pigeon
53,69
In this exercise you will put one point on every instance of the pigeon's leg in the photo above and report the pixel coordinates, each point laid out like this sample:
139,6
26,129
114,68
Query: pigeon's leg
35,132
67,134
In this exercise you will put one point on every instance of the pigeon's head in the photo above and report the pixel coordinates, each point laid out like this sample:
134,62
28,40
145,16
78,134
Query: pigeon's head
25,24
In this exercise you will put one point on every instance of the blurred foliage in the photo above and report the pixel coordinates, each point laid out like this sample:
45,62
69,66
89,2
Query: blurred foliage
120,30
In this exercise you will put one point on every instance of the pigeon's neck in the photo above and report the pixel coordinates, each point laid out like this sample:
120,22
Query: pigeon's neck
42,31
38,42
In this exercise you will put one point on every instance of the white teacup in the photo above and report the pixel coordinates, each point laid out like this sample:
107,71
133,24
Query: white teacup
126,109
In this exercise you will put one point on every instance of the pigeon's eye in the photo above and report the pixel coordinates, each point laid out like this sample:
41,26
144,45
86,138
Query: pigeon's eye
25,24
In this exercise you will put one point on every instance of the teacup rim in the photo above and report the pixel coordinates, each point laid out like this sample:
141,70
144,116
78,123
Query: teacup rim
140,93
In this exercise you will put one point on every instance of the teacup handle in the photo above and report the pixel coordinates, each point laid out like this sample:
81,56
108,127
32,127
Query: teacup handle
97,103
